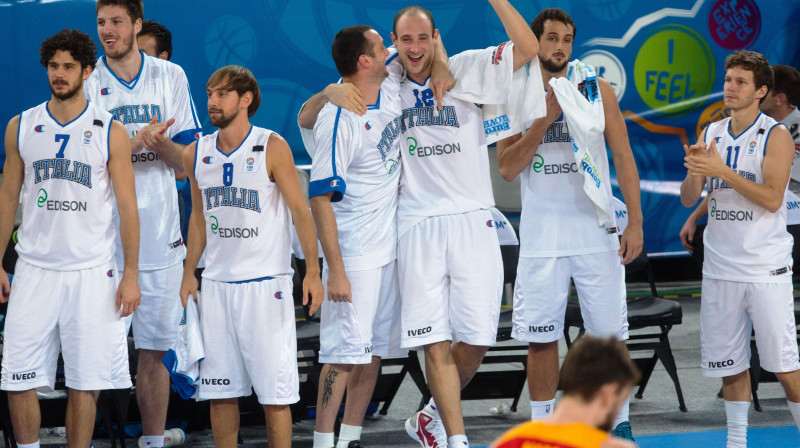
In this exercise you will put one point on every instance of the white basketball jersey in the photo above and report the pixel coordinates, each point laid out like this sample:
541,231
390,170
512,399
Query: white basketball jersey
445,156
358,159
558,218
66,208
248,225
792,121
743,241
159,90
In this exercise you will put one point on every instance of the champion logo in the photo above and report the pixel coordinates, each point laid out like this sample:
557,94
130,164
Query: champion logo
198,135
335,183
110,273
39,128
207,159
279,295
367,126
105,91
490,223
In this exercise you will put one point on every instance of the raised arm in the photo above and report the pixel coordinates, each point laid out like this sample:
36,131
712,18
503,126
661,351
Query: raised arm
525,44
196,238
281,169
616,134
692,185
344,95
121,172
13,175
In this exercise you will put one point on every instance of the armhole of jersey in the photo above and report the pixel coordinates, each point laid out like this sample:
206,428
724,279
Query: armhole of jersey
191,106
194,165
19,129
333,141
705,134
266,153
766,139
108,142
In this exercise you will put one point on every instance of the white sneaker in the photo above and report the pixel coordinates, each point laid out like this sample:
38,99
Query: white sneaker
172,437
426,428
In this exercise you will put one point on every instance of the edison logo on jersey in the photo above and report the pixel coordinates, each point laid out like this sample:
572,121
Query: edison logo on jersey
232,197
728,215
144,156
79,172
231,232
539,166
427,151
137,113
53,205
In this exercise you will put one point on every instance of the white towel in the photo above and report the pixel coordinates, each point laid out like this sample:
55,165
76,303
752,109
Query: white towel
184,357
586,122
525,103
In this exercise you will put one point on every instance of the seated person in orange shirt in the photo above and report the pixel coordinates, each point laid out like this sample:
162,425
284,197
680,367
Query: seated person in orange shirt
596,377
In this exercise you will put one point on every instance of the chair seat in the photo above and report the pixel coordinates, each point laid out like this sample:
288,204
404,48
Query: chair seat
643,312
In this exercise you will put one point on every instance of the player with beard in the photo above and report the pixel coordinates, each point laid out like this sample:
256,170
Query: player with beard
65,154
744,161
245,196
596,378
151,98
573,245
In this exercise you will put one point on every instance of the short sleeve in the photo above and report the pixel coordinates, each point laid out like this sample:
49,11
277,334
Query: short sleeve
186,128
335,137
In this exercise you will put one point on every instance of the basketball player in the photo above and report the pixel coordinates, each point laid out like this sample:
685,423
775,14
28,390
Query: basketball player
559,231
448,258
65,154
246,195
744,161
354,184
596,378
781,104
151,98
155,40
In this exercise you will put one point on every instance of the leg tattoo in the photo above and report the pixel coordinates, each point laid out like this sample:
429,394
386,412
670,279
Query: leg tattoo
327,388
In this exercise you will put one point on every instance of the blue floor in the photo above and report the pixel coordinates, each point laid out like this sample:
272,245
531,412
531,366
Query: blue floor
773,437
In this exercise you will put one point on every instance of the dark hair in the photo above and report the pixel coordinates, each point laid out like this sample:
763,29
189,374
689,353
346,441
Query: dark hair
239,79
78,43
787,81
135,8
160,33
559,15
348,45
752,62
413,9
591,363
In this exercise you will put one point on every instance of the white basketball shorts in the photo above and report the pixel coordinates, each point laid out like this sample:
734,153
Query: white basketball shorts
155,322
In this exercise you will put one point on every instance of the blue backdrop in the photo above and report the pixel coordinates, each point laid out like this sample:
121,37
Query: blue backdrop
664,58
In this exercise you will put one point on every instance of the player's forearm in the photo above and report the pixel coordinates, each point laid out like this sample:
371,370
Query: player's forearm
514,158
325,220
129,234
628,178
763,195
8,210
525,44
196,241
171,154
137,144
700,211
439,55
691,189
308,114
307,235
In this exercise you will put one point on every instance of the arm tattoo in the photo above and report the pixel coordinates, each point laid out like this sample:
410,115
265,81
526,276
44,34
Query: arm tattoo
327,388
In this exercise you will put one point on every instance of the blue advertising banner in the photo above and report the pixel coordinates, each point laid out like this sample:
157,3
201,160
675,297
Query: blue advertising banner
665,60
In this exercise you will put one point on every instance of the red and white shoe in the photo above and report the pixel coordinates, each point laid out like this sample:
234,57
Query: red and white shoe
426,428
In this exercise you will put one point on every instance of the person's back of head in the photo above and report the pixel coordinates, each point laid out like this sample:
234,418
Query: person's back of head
787,82
162,36
592,363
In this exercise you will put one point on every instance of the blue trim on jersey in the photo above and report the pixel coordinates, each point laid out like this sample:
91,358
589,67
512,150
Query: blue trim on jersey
237,148
194,167
19,128
748,128
191,106
260,279
185,137
184,384
47,108
128,85
766,139
421,85
390,59
108,146
377,104
333,145
333,184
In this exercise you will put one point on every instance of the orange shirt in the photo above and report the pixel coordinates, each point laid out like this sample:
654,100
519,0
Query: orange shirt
541,434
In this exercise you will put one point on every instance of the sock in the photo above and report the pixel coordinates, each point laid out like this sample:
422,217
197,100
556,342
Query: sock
736,411
624,413
794,408
347,434
29,445
542,409
432,406
323,439
153,441
458,441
